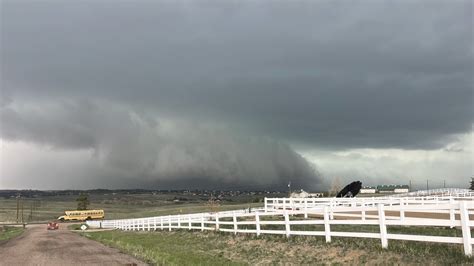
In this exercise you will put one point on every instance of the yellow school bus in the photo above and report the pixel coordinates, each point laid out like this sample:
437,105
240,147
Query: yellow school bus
82,215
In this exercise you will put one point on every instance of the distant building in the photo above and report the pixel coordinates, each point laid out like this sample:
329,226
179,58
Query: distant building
304,194
402,189
393,188
368,190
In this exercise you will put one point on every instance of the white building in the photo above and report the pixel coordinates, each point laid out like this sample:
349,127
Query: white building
304,194
401,190
393,188
368,190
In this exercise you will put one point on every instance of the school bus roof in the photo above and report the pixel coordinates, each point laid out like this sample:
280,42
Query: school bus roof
84,211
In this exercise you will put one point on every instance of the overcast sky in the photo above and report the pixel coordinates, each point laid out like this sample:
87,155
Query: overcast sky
235,94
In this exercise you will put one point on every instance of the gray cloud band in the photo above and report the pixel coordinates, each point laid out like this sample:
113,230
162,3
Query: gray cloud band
160,152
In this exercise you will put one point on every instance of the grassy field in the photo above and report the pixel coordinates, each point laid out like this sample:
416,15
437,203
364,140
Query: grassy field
210,248
8,232
115,206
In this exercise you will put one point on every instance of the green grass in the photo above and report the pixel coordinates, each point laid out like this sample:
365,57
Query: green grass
209,248
174,248
75,226
8,232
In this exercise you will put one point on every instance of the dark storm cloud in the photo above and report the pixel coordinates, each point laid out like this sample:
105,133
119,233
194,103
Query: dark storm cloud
154,151
335,74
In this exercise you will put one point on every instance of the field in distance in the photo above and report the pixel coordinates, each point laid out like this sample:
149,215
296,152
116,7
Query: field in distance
41,206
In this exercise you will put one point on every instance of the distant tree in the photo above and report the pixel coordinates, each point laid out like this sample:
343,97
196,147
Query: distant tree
82,201
472,184
213,203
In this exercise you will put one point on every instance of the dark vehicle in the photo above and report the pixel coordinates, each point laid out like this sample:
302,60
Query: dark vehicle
350,190
53,226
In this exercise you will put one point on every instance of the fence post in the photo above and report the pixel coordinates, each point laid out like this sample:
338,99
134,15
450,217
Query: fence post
363,211
154,223
257,223
331,213
169,222
266,207
383,227
161,222
217,221
179,221
327,226
402,211
189,219
287,224
202,222
451,212
148,220
306,208
466,229
234,219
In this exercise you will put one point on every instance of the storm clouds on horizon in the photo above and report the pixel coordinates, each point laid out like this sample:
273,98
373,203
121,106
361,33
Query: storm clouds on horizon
236,94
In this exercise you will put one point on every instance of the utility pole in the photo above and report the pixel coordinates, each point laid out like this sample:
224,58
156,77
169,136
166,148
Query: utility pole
17,208
22,217
31,211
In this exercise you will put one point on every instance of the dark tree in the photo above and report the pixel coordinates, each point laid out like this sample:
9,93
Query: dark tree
350,190
82,201
472,184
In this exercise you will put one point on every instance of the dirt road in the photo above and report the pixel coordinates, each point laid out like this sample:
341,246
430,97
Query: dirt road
38,246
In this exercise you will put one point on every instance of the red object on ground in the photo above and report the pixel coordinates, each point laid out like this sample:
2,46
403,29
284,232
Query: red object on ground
53,226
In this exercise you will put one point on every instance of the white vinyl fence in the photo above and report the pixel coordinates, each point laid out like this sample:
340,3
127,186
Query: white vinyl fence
273,204
317,220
